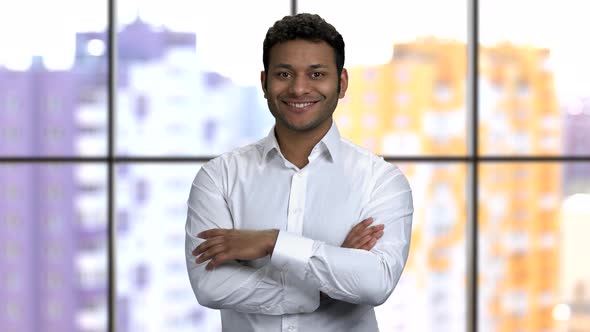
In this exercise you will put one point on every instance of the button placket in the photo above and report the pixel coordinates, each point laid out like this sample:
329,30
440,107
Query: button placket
290,323
297,203
295,225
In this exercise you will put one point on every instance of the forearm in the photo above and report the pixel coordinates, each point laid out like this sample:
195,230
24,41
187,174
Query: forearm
231,285
369,277
352,275
247,289
355,276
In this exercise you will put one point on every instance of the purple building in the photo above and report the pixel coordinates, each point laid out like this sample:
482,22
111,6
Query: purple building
136,42
42,235
39,233
18,240
577,143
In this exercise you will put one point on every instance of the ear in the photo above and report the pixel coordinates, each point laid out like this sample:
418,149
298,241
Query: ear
343,83
263,82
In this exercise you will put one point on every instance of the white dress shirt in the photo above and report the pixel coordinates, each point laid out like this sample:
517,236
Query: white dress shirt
314,208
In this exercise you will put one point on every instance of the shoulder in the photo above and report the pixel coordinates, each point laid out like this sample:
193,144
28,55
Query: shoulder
372,165
228,163
362,157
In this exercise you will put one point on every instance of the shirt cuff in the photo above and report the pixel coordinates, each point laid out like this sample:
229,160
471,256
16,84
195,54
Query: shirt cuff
291,253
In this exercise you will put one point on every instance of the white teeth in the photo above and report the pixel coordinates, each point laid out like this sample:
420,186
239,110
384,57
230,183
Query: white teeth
300,105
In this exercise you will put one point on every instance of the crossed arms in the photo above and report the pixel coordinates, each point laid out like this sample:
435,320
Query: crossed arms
365,269
224,245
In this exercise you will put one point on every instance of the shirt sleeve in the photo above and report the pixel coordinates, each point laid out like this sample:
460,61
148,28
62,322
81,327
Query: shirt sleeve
233,285
354,275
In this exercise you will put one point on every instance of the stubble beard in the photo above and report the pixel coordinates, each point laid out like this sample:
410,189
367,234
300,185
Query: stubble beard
322,117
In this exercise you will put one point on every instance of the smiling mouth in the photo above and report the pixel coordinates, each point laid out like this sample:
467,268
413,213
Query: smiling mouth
300,106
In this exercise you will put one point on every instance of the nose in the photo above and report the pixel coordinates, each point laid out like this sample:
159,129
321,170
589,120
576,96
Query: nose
300,85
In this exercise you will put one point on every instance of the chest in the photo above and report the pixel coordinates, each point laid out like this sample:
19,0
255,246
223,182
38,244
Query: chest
322,207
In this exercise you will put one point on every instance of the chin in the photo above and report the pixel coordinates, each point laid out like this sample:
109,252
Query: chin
303,127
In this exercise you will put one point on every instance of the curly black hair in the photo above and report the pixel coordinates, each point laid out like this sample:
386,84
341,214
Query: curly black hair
304,26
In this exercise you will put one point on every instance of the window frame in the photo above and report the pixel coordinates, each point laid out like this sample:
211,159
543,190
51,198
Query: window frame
472,160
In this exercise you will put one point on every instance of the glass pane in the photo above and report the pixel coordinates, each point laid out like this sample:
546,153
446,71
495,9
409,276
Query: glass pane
534,78
534,226
190,83
53,248
407,71
153,290
431,293
53,78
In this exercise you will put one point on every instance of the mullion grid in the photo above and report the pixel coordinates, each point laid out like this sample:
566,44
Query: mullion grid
472,160
471,231
111,228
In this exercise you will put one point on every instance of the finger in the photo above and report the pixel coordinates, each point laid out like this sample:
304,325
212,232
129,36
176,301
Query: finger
369,245
354,232
365,223
212,233
378,235
211,253
375,228
369,231
362,241
361,225
218,260
373,240
208,244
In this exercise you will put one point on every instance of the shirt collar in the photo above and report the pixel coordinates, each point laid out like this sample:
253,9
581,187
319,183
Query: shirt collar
330,141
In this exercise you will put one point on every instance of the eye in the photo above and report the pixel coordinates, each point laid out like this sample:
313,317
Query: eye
283,74
317,74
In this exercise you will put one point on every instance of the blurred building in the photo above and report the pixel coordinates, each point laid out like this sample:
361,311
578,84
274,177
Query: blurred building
46,231
573,313
415,105
519,214
168,104
576,138
53,256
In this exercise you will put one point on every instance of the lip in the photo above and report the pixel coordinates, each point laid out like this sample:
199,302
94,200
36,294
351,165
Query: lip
300,106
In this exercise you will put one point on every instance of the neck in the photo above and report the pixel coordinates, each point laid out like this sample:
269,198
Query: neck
296,145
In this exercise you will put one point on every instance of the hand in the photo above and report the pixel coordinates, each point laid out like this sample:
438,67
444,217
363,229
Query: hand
223,245
361,236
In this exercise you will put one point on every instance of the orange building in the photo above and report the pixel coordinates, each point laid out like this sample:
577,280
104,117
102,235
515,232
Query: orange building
520,220
415,105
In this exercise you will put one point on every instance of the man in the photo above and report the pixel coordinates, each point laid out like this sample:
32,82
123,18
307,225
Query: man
279,233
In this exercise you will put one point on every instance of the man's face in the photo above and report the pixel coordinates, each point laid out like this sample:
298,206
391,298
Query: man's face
301,85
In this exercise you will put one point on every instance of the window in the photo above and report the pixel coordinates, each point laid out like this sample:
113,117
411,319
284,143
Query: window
498,158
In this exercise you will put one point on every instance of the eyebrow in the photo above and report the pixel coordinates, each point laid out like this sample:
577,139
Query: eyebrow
288,66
